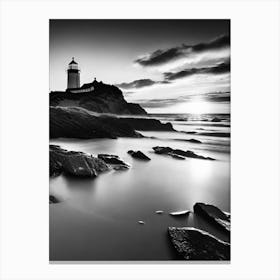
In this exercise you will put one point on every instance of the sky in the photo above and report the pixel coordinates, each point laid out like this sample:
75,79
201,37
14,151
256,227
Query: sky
167,66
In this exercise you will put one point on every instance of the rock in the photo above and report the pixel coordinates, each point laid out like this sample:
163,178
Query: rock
215,134
176,156
147,124
76,163
181,119
77,122
196,244
53,199
214,215
103,98
180,154
215,119
114,161
74,122
141,222
194,141
180,213
138,155
162,150
189,140
159,212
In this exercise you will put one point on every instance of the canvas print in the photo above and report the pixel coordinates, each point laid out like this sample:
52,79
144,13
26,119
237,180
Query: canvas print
139,148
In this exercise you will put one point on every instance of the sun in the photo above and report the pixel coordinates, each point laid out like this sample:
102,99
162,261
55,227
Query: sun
194,107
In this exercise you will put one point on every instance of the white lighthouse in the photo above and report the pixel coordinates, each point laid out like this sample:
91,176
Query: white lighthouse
73,75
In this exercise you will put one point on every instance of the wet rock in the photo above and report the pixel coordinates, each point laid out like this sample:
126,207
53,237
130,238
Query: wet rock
76,122
147,124
193,141
162,150
180,213
196,244
114,161
75,163
176,156
214,215
138,155
53,199
215,119
178,153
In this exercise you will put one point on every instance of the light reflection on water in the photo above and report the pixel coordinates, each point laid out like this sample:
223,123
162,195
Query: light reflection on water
98,218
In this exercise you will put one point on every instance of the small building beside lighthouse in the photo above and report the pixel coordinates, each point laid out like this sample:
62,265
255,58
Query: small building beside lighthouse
73,75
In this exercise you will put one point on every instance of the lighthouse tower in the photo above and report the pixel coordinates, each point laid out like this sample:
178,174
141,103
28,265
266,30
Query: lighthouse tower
73,77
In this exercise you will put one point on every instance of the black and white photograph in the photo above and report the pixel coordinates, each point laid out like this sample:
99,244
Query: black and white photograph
139,140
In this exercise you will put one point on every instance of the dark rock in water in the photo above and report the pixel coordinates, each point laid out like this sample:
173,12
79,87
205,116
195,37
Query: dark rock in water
180,213
176,156
138,155
181,119
75,163
214,215
103,98
196,244
146,124
179,153
55,167
192,140
114,161
162,150
74,122
215,119
53,199
215,134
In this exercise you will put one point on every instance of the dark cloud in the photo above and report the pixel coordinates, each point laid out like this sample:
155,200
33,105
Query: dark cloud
218,97
159,57
137,84
220,68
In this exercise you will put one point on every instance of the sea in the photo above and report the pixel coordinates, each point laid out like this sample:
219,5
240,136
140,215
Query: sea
98,219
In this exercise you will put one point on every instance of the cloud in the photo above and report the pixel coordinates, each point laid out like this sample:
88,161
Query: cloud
160,57
217,97
220,68
137,84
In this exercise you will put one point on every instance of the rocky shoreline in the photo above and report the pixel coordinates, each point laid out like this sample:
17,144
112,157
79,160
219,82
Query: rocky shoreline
74,122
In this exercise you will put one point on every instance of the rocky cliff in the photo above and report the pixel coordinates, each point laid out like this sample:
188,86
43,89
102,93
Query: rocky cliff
76,122
103,98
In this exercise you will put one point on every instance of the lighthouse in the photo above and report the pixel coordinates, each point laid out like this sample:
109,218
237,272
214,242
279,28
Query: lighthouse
73,75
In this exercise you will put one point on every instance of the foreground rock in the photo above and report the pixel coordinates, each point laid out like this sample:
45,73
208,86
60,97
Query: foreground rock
214,215
114,161
180,213
75,163
138,155
100,98
178,153
195,244
53,199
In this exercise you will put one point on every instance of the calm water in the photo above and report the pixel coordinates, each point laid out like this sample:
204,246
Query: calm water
98,218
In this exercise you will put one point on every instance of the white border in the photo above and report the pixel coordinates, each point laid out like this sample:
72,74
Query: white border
255,138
